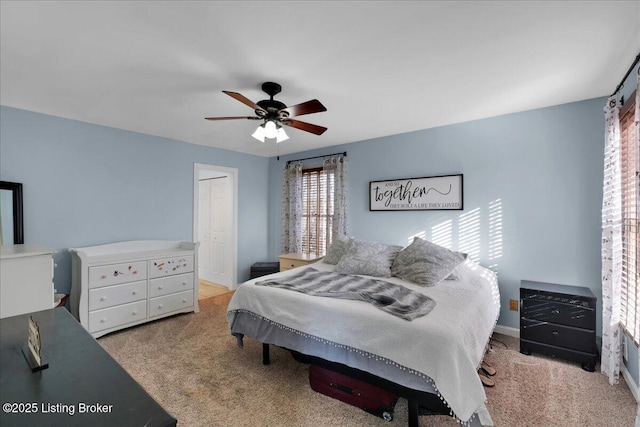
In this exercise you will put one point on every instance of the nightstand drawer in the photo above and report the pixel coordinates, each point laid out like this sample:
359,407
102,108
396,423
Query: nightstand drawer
557,335
288,264
558,312
293,260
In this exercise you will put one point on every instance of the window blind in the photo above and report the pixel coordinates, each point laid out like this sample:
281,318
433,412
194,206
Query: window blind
629,152
317,210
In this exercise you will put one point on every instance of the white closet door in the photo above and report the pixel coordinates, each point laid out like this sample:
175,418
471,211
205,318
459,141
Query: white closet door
219,226
204,221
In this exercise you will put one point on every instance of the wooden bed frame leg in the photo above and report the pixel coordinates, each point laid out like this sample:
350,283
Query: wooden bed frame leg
265,354
413,411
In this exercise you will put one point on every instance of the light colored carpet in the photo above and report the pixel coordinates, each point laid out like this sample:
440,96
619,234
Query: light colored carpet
191,365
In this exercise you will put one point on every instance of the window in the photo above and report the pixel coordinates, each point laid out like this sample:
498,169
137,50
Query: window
317,210
629,152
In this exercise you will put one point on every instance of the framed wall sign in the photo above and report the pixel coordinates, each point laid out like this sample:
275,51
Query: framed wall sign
416,194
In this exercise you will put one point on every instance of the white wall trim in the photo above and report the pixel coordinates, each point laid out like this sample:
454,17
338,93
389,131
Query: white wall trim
630,382
233,173
507,330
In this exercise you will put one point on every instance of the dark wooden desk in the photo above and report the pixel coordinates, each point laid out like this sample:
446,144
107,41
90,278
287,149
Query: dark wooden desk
81,376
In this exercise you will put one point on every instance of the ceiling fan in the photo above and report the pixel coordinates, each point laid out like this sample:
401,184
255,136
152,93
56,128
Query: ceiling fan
274,114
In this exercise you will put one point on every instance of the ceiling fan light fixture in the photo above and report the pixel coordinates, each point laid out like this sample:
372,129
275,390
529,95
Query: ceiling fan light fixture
259,134
281,135
270,129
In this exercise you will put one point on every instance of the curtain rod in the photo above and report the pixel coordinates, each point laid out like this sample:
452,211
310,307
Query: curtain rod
626,75
316,157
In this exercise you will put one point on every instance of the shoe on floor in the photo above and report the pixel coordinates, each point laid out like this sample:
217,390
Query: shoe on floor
488,369
486,381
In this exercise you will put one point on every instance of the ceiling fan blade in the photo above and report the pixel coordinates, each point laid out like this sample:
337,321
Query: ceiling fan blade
232,118
308,127
309,107
243,99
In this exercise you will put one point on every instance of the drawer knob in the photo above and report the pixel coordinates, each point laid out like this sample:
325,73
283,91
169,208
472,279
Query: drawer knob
135,312
159,287
103,320
555,333
135,292
103,298
160,306
556,311
184,283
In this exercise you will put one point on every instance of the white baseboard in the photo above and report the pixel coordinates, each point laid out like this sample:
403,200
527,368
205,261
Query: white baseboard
507,330
515,332
630,382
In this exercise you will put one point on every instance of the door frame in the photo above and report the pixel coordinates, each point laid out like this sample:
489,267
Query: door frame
232,173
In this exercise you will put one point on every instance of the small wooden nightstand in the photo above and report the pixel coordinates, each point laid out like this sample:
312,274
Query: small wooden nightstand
293,260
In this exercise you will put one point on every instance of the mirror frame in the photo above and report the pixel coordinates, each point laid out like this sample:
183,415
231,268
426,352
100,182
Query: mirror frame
18,220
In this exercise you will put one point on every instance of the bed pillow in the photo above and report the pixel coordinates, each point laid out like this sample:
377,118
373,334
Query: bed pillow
368,258
338,248
425,263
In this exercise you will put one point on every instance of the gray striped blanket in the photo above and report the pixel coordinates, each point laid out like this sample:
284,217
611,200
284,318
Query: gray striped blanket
389,297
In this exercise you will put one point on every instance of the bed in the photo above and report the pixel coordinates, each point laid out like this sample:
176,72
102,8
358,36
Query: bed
432,358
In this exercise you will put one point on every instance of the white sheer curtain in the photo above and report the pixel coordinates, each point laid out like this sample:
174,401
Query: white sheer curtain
335,168
292,208
611,243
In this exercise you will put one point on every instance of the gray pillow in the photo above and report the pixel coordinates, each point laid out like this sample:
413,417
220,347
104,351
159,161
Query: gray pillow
425,263
368,258
338,248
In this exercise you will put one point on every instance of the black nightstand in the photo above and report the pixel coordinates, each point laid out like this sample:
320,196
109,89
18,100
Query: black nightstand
263,268
560,321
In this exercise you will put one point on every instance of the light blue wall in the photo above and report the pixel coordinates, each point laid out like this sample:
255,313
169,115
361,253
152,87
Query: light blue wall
538,172
86,184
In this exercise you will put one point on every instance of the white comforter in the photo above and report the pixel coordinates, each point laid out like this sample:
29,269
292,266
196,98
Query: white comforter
447,345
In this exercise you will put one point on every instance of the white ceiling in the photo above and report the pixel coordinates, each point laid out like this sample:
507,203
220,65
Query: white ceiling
380,68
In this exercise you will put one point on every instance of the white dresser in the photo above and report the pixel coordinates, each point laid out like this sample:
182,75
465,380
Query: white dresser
26,279
118,285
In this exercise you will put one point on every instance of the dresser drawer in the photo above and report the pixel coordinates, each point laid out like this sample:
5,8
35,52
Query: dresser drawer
116,316
558,312
558,335
162,267
108,296
114,274
170,285
168,303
